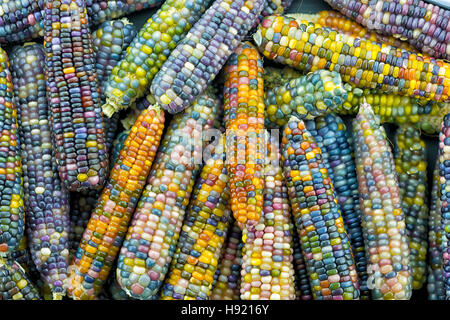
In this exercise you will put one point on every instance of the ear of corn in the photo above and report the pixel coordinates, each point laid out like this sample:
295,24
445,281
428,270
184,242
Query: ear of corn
336,21
12,220
383,220
73,94
202,235
24,20
202,53
411,166
330,134
244,123
108,223
45,197
267,262
444,186
152,46
302,287
422,24
307,47
324,241
14,283
435,283
305,97
154,231
226,286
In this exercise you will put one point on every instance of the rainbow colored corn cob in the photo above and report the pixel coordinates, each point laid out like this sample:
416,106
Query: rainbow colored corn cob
12,220
154,231
14,283
202,235
422,24
267,260
72,91
330,134
45,197
324,241
244,123
307,47
383,221
199,57
227,283
411,166
107,226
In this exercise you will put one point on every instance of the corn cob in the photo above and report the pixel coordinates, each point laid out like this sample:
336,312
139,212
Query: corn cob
411,166
422,24
12,220
302,287
73,93
202,235
383,220
133,75
324,241
336,21
24,20
444,181
107,226
154,230
45,198
307,47
199,57
392,108
267,263
330,134
227,283
435,283
244,122
14,283
306,97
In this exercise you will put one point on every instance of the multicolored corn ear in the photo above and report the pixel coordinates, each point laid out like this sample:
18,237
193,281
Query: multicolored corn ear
411,166
336,21
203,233
110,42
46,199
301,279
424,115
14,283
107,226
131,78
227,283
383,221
330,134
73,93
324,241
444,195
366,64
24,20
306,97
202,53
267,256
154,231
12,213
244,124
422,24
435,281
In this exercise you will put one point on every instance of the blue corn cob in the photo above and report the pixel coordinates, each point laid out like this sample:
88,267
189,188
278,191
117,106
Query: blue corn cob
46,199
14,283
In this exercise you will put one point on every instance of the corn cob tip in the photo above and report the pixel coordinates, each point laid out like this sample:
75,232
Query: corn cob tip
257,37
110,107
125,21
58,295
311,17
26,44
